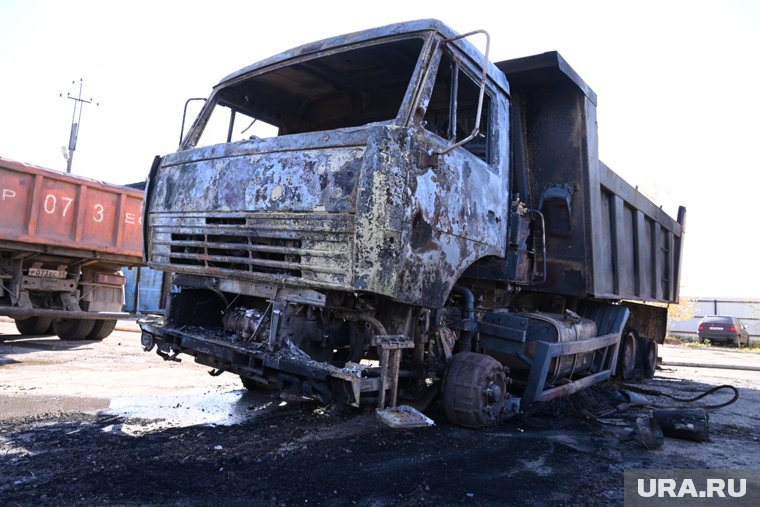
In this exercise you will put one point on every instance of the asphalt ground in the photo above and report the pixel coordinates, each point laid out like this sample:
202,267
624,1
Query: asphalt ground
104,423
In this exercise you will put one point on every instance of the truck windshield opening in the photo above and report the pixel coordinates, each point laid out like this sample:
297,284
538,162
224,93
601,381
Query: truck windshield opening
334,90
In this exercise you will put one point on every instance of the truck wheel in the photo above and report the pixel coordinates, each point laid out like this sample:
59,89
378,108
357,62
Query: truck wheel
627,356
33,325
101,329
650,358
473,389
73,329
646,361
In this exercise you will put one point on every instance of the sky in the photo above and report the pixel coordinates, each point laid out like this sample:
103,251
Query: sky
678,86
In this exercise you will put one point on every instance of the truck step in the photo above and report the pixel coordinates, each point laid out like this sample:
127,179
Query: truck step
404,416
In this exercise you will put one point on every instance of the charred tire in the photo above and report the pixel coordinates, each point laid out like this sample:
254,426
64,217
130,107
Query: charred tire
33,325
73,329
101,329
627,355
650,358
646,361
473,390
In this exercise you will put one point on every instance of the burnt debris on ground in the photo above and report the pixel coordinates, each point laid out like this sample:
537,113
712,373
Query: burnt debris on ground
300,454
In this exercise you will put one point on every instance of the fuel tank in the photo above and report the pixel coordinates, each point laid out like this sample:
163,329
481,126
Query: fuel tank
555,328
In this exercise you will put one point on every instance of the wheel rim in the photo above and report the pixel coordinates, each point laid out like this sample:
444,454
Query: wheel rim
494,395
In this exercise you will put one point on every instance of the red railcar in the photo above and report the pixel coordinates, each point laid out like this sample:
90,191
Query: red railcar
63,241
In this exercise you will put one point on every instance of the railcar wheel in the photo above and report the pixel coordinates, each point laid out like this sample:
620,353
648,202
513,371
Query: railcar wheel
627,356
101,329
73,329
33,325
474,388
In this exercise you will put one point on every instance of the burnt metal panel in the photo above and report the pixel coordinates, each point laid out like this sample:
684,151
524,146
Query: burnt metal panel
319,179
416,232
646,243
556,128
503,332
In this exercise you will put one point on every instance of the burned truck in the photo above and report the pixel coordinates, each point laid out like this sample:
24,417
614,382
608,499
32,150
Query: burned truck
386,218
63,242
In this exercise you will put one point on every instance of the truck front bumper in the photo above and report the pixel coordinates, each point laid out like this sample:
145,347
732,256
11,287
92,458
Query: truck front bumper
288,368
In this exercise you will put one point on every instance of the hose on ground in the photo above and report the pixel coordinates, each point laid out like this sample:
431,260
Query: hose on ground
654,392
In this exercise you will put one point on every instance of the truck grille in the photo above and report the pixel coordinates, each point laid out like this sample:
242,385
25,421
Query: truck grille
272,246
241,253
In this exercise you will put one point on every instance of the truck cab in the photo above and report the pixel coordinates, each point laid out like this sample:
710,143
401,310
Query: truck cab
350,181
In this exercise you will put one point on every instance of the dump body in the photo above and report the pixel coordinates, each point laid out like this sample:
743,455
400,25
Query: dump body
406,228
63,241
68,214
604,238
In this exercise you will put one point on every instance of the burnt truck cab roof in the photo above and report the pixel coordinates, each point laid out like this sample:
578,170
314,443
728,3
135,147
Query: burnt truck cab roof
324,85
423,27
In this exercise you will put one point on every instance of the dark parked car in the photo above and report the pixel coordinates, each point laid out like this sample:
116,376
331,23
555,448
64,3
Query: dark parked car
718,328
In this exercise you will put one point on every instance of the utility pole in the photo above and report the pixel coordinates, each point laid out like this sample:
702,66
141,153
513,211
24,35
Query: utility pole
79,102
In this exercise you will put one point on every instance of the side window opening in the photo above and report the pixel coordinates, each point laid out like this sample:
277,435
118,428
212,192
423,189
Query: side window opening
453,109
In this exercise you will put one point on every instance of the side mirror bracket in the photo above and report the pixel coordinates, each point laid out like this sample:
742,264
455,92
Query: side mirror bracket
184,117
